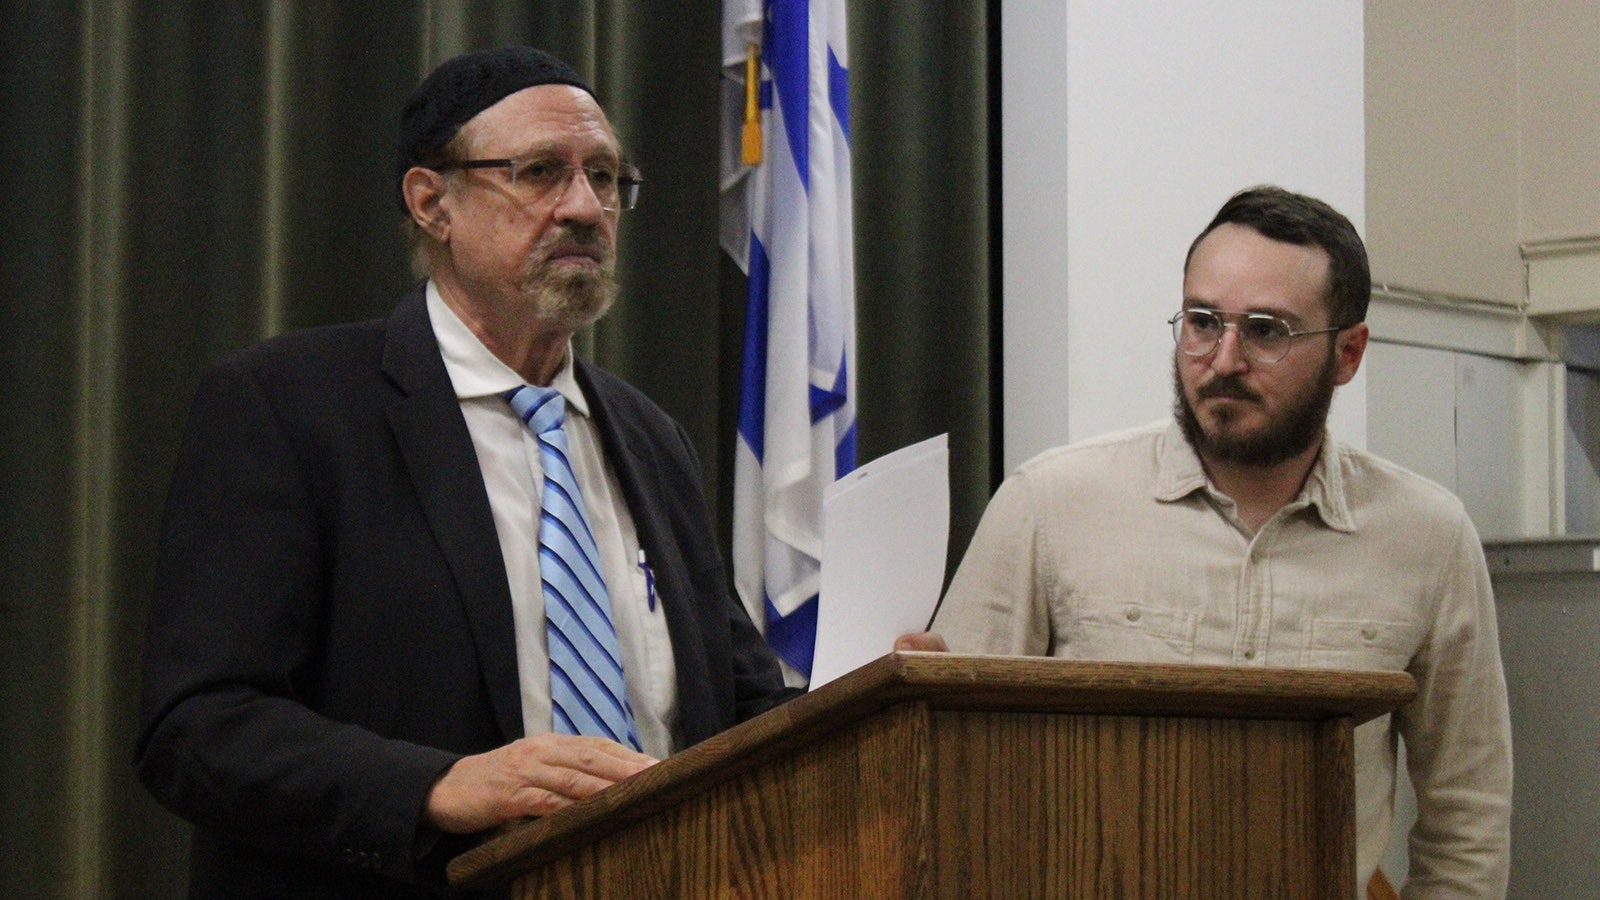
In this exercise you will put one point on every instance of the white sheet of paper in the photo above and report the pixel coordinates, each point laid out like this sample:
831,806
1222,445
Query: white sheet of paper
885,528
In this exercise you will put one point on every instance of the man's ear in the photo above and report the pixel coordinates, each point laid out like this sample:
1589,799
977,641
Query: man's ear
1350,345
424,192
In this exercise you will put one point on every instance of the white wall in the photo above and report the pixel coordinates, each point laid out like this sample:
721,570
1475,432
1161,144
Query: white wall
1168,109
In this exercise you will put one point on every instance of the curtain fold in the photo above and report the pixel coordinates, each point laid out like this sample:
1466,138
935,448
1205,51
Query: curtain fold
181,180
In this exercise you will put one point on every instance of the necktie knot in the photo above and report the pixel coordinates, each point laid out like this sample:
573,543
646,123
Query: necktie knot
541,409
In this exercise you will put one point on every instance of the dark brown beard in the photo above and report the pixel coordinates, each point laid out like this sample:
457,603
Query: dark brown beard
1299,428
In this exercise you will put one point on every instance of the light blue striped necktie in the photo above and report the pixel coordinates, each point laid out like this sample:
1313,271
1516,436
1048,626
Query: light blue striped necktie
587,691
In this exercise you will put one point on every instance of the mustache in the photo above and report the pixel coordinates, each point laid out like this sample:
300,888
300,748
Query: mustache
1228,387
573,238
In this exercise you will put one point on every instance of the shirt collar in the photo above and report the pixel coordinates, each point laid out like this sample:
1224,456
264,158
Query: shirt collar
1179,473
476,372
1325,487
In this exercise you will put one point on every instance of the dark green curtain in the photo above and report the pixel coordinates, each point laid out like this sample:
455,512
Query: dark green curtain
182,179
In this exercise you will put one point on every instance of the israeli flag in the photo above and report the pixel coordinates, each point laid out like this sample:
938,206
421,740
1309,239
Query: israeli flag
786,219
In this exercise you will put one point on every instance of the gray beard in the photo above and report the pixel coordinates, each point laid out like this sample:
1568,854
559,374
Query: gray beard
1286,437
572,300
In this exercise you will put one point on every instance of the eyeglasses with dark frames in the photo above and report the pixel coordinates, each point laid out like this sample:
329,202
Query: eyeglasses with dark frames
616,185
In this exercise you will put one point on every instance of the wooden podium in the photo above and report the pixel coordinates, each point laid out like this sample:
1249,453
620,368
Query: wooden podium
942,775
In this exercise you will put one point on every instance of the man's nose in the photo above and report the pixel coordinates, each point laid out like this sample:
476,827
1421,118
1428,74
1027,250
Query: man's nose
579,202
1229,356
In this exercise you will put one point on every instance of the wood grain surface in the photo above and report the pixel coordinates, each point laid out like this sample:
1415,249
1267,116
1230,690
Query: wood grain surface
925,775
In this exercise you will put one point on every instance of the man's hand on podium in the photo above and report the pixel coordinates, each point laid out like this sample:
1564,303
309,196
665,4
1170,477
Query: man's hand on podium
922,640
534,776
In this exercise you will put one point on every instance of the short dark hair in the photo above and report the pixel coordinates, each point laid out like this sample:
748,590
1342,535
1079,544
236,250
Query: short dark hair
1305,221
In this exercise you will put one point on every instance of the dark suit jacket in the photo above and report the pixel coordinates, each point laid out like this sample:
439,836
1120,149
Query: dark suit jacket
331,626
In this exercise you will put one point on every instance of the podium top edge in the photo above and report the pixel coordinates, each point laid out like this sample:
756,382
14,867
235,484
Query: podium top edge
955,680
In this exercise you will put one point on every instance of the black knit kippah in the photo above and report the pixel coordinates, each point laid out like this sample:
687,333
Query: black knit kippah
462,87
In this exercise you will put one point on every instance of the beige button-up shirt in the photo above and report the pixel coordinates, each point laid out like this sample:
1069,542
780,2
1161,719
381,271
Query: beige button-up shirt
1119,548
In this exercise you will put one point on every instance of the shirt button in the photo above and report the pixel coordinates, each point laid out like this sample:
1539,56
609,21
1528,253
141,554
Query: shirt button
1369,634
1133,615
1250,654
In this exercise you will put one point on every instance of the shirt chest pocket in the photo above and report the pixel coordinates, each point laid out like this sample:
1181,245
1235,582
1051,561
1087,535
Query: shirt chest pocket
1112,629
1361,644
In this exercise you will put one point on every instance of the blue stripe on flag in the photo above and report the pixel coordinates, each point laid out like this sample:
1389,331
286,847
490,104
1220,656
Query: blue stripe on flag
753,377
788,59
794,637
844,455
826,402
839,93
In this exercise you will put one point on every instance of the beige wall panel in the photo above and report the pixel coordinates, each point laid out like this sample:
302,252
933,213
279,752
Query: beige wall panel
1560,83
1441,116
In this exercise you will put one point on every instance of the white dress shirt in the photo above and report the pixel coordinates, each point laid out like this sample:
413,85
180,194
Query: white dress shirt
508,456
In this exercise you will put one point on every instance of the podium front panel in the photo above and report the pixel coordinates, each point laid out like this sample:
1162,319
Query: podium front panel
1030,805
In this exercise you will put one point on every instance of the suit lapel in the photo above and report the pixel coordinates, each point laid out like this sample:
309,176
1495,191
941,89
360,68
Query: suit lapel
647,494
635,469
439,456
639,474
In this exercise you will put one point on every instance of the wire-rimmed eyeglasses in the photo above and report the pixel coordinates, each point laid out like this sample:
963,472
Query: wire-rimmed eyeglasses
615,185
1263,338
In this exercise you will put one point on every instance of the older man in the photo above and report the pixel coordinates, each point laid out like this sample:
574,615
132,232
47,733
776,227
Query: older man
1242,534
426,575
